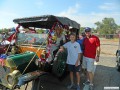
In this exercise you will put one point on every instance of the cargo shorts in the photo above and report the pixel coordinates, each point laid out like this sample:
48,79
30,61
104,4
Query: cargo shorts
88,63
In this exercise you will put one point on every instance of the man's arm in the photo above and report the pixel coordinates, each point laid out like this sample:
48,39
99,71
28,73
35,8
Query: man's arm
78,60
98,53
79,56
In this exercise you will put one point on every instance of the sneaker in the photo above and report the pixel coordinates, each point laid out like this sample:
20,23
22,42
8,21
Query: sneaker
70,86
86,83
91,87
78,87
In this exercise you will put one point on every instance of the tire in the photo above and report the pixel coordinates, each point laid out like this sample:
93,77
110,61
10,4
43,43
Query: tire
117,54
59,68
59,65
117,61
118,67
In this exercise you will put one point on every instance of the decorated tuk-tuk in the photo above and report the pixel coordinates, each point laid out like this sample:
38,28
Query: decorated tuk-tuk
36,53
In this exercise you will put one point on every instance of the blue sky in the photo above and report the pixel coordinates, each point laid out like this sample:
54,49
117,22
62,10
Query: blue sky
85,12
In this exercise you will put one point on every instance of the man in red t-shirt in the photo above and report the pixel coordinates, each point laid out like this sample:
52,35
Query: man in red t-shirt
91,54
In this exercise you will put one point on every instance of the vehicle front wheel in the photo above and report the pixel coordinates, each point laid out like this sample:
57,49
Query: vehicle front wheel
59,64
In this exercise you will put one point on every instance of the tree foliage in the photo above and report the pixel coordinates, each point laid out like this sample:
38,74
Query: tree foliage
82,29
107,26
4,30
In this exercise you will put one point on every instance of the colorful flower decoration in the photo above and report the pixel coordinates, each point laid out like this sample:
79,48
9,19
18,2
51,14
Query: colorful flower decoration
2,59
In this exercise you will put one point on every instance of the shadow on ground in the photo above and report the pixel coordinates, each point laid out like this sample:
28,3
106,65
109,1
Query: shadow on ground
106,74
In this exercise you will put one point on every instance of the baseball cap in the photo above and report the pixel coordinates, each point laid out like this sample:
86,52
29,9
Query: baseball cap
87,29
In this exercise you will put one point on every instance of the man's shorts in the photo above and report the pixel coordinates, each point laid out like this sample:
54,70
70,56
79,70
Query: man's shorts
88,63
74,68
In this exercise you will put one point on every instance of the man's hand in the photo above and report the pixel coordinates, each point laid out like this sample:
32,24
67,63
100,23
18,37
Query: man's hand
77,62
97,59
61,49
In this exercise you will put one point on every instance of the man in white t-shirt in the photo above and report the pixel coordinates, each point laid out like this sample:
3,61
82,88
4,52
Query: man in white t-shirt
73,59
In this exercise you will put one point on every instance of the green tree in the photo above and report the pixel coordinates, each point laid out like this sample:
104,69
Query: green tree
82,29
4,30
119,26
107,26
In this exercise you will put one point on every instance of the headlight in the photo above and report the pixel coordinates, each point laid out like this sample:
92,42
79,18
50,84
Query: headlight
10,79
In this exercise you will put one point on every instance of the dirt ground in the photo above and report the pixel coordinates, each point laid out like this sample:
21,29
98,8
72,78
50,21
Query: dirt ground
109,46
106,74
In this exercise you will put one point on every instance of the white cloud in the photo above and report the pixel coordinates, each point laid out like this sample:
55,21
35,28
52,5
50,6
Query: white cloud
71,10
39,3
109,6
88,20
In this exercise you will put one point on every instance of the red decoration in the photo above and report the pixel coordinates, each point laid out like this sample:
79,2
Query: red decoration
2,62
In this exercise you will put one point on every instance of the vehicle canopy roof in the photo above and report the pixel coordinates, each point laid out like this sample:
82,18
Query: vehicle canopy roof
46,21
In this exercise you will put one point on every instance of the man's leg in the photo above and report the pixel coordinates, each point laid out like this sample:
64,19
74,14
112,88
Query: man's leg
90,74
84,66
70,67
91,80
87,73
77,70
71,77
90,69
78,80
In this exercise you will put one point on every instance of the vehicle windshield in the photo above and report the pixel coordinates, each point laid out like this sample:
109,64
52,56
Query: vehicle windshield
31,38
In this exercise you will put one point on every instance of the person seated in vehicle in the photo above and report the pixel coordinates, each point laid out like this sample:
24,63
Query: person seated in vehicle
58,39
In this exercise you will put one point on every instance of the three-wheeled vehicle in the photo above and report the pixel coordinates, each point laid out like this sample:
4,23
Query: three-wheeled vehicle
32,55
